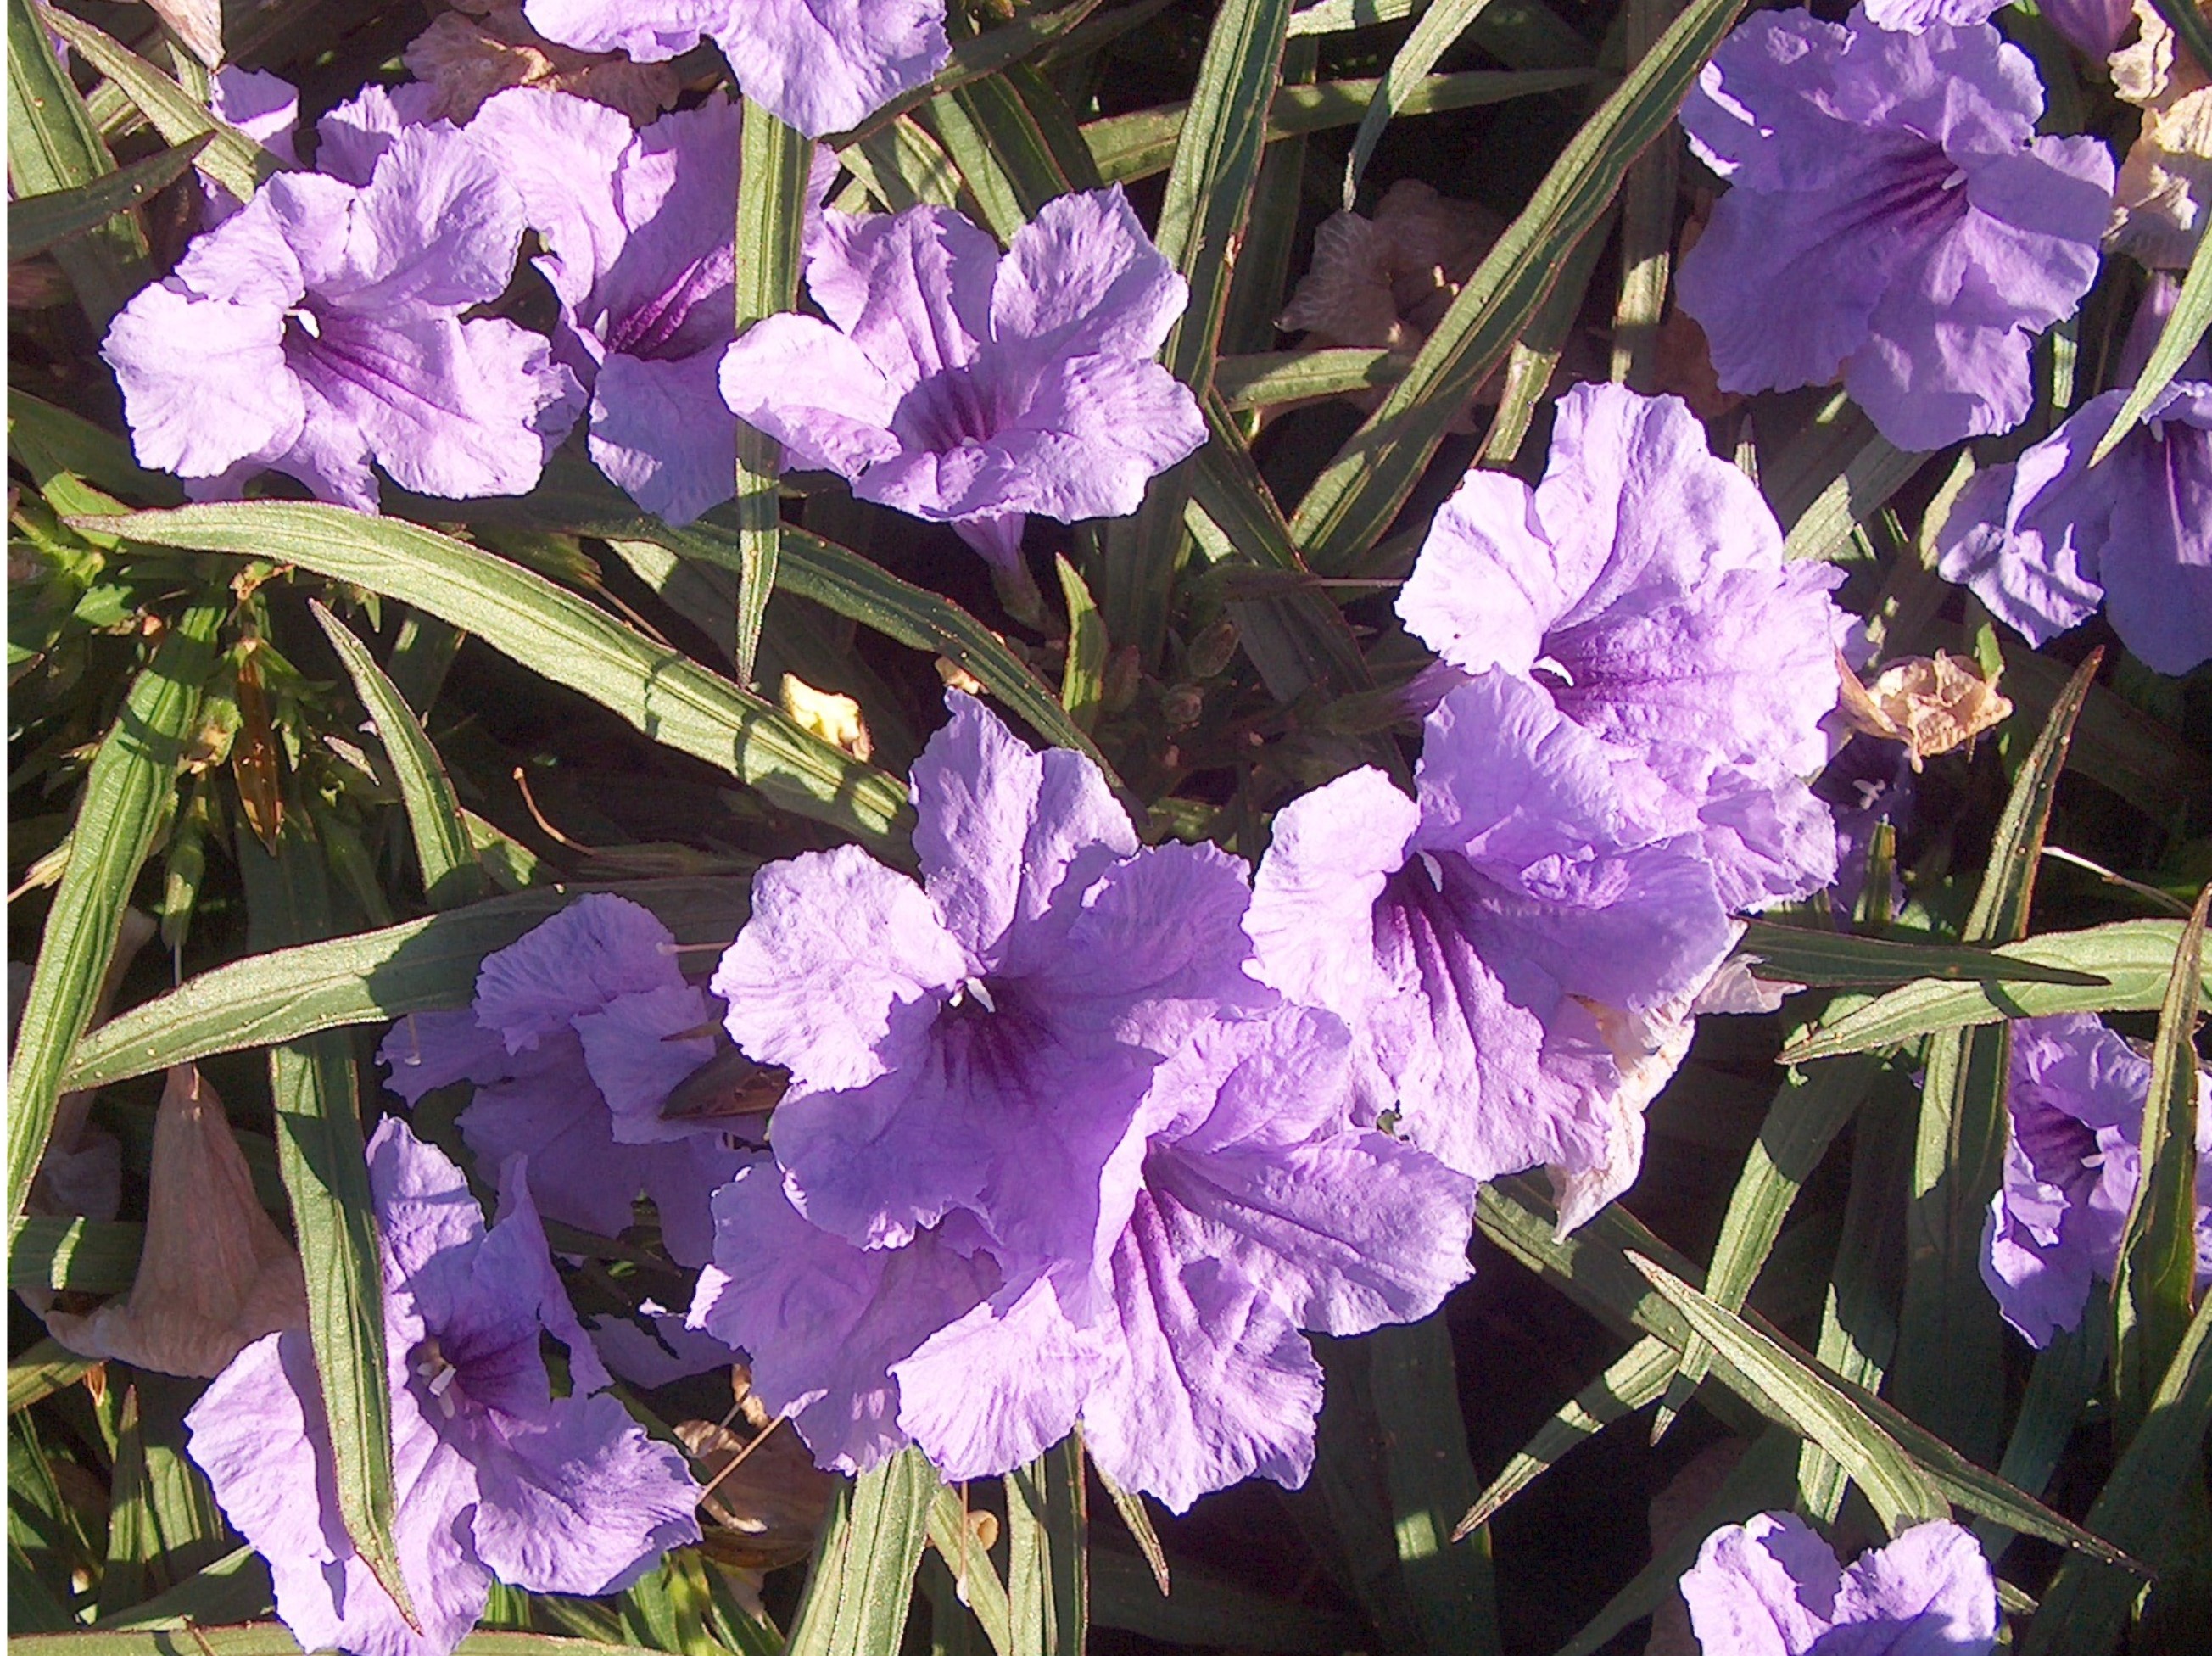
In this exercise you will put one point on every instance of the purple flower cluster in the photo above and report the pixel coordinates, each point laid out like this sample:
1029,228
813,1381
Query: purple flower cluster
1772,1587
2074,1100
496,1478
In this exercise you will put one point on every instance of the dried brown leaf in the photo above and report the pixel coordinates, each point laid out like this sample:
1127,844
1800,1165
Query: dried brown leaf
1929,704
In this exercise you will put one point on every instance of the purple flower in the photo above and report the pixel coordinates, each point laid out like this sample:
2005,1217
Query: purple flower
2093,27
2043,541
971,389
1642,587
579,1032
1772,1587
1912,16
1892,220
264,106
318,329
820,65
1517,953
979,1042
2075,1099
496,1477
638,225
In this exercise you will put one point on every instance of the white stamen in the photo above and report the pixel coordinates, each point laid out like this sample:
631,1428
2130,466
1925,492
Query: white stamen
309,324
1954,180
1434,869
1549,664
975,986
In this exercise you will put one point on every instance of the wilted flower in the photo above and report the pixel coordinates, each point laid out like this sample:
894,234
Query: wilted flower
1517,953
1892,220
1641,586
1772,1587
637,225
1931,705
2074,1100
216,1273
320,329
2165,185
484,46
821,65
972,389
579,1031
495,1477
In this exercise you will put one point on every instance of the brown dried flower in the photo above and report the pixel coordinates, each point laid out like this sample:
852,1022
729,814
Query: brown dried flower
2164,186
766,1498
467,58
1931,706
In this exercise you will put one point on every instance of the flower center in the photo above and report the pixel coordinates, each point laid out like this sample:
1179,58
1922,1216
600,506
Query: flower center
431,1366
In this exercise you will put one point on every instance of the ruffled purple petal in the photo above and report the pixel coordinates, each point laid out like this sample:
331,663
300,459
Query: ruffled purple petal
561,154
1082,277
660,430
997,1387
597,948
205,382
351,138
635,1064
1766,1588
650,31
912,289
814,391
1312,914
825,65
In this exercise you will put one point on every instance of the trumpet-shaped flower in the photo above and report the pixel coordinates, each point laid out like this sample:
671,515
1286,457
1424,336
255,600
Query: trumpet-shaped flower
319,329
1772,1587
972,389
1641,584
821,65
579,1032
496,1477
1892,219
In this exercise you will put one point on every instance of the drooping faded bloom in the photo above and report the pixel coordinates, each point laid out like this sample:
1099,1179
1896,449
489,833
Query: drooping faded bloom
1892,219
579,1032
2164,193
1517,952
972,389
1642,587
820,65
319,329
1772,1587
496,1477
2044,539
637,225
2074,1102
481,47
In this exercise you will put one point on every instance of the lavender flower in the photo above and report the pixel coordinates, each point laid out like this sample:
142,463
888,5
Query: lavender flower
638,225
820,65
2045,540
971,389
1517,953
1892,219
1642,587
496,1477
264,106
569,1044
2075,1099
2093,27
319,329
1772,1587
1912,16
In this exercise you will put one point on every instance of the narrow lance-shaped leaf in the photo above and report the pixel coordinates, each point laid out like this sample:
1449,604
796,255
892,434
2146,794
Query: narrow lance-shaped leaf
664,693
2193,314
275,1639
862,1579
1835,959
975,1584
2155,1277
37,223
451,872
1441,24
990,53
1130,1504
127,790
1081,679
1638,1376
1351,504
1950,1353
771,219
1047,1553
88,1255
315,1087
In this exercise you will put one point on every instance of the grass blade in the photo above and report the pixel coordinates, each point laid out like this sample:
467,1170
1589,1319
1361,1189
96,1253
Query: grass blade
86,1255
36,223
975,1584
321,1153
2155,1277
1048,1547
1439,28
418,966
669,696
1636,1378
1083,676
43,1370
451,874
771,215
1350,506
2193,314
858,1591
128,788
1837,961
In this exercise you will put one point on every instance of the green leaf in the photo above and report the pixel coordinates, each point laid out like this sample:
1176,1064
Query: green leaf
233,1588
51,443
1638,1376
53,146
2087,1604
2192,307
47,1367
88,1255
418,966
1949,1372
976,1587
315,1088
1810,1405
1083,675
1440,26
1130,1504
1015,144
37,223
1864,470
1335,17
1535,354
2134,957
133,1541
2059,1389
231,159
2116,744
1800,954
129,788
771,215
1647,224
1048,1555
2155,1277
1290,376
451,874
1350,505
857,1593
669,696
902,166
